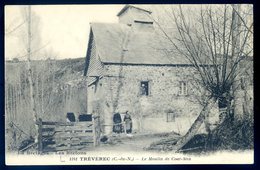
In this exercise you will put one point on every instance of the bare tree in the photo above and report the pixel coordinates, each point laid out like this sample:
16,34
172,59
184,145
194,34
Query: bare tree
24,84
240,25
215,43
30,78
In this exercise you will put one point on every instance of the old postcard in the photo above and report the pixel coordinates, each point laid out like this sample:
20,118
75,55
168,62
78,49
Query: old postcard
129,84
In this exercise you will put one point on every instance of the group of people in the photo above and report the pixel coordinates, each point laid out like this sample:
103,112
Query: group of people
118,126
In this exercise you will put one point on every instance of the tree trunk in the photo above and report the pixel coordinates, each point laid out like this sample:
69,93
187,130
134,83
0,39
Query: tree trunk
208,130
246,101
194,128
42,91
107,117
37,90
16,97
238,102
237,91
7,113
31,84
223,106
207,124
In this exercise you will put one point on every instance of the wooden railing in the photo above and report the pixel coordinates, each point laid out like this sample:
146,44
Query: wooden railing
60,136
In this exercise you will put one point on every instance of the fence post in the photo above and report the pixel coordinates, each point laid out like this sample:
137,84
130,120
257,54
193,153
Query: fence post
94,131
98,130
124,124
40,136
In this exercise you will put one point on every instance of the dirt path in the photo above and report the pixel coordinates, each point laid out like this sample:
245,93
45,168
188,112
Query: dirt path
134,143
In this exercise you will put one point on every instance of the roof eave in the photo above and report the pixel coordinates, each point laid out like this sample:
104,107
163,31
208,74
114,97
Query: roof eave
88,50
151,64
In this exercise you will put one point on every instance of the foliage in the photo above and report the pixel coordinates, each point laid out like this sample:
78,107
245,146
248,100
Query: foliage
229,135
232,135
59,88
213,41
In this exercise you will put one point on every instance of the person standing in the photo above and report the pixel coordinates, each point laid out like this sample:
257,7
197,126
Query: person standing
117,128
128,122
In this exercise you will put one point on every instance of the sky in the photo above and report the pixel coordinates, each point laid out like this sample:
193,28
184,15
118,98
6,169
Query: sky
60,31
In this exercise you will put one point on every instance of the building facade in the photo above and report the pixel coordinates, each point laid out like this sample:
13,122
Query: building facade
129,67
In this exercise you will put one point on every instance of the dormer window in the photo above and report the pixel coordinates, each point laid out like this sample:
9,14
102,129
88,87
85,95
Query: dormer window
138,18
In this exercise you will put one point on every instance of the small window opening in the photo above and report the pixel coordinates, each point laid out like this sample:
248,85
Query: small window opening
145,88
183,88
171,117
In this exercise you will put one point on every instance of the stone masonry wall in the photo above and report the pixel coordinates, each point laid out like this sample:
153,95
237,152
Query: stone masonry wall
164,82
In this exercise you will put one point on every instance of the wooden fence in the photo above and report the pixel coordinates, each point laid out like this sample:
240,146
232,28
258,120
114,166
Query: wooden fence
61,136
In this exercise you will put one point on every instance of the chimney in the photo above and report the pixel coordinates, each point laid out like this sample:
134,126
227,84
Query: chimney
139,19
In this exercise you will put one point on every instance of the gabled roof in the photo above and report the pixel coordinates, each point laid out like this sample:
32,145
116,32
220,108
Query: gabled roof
131,6
121,44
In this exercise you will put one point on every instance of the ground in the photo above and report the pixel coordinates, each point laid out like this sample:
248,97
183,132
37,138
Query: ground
135,142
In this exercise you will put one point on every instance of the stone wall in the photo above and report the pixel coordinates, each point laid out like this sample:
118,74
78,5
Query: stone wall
121,91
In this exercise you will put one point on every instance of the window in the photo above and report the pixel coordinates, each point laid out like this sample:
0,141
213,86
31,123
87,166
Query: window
170,117
144,86
183,88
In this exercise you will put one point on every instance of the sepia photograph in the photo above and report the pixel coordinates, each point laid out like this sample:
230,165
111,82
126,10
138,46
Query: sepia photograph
129,84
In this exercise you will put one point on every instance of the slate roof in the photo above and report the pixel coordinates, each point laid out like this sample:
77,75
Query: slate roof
119,43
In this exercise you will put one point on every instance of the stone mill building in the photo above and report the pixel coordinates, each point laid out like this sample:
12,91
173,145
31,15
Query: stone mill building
128,67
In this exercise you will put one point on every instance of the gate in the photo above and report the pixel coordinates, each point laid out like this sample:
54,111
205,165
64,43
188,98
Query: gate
61,136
